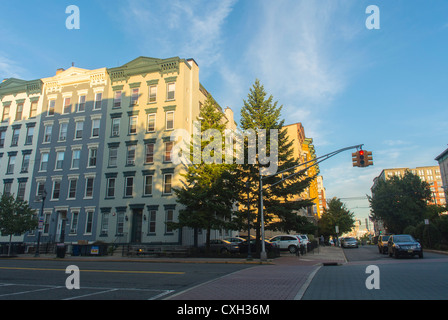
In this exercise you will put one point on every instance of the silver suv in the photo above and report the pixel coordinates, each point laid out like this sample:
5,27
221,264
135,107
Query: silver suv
287,242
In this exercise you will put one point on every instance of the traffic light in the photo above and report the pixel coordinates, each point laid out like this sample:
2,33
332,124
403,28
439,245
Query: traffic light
355,159
362,158
368,158
362,162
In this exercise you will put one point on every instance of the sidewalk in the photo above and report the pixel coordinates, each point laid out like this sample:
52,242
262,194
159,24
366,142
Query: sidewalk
285,279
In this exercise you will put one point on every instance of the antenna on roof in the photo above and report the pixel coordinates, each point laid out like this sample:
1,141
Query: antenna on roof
73,64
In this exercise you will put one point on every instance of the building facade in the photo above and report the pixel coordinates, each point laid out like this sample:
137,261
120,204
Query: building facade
65,188
20,105
442,159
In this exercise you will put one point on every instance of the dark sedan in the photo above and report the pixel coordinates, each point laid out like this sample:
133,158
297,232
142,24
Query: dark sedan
244,246
404,245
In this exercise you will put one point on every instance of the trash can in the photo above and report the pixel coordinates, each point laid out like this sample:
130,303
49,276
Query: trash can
60,250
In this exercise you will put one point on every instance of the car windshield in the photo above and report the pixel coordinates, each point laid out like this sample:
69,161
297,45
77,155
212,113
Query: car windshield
385,238
403,238
349,239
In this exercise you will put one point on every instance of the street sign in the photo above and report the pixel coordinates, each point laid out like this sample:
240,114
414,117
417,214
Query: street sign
336,228
426,221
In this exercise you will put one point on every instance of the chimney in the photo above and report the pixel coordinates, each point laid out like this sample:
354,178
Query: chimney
58,71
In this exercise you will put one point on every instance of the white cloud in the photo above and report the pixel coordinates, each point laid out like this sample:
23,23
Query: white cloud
9,68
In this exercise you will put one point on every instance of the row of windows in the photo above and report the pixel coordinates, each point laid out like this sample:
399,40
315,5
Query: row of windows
72,189
130,186
131,152
151,98
75,162
19,114
16,135
151,217
67,106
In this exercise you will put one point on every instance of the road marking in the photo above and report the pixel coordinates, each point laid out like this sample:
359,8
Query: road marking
30,291
90,294
104,271
305,286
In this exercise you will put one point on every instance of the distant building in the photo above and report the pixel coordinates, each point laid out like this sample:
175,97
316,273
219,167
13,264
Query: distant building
442,159
429,174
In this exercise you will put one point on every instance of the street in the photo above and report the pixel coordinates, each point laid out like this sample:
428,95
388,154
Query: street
398,279
46,279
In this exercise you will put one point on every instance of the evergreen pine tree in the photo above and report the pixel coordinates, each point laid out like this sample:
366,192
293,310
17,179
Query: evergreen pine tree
261,112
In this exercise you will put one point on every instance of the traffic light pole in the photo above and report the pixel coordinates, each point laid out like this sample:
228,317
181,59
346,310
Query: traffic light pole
263,255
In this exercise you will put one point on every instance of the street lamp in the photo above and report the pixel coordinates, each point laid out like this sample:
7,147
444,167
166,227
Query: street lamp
249,256
39,228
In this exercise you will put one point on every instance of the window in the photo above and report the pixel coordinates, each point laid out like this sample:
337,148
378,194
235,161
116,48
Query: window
105,223
63,131
11,163
89,221
113,155
5,115
82,103
7,187
169,214
147,188
76,156
89,187
19,111
56,190
43,161
98,101
151,127
120,222
74,222
47,219
133,125
47,133
2,138
33,109
93,151
21,191
171,87
169,120
15,137
79,127
134,97
51,106
115,127
110,190
130,158
129,186
25,162
72,183
152,93
167,179
152,221
117,99
168,151
59,160
95,127
149,153
29,135
67,106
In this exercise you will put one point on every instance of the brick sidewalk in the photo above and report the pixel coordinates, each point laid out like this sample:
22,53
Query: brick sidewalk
281,280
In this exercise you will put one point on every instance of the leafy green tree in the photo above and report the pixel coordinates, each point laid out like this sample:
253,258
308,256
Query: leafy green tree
336,214
16,217
400,202
208,193
261,112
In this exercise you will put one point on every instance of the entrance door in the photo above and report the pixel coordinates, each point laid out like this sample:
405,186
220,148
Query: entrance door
60,230
137,216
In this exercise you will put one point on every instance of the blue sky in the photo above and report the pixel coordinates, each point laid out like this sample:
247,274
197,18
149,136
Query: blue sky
348,85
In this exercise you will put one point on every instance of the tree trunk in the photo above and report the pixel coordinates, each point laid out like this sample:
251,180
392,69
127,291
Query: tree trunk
10,242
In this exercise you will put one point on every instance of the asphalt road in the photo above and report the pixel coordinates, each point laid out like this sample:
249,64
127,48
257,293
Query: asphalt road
46,280
395,279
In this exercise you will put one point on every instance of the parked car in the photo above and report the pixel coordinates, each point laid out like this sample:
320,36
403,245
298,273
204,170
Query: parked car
243,246
235,240
221,246
287,242
404,245
304,239
349,242
382,243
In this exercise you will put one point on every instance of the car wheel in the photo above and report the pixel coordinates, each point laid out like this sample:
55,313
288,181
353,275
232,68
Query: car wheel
396,255
420,255
224,251
292,249
380,250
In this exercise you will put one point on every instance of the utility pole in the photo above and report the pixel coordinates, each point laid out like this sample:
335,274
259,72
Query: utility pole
313,162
